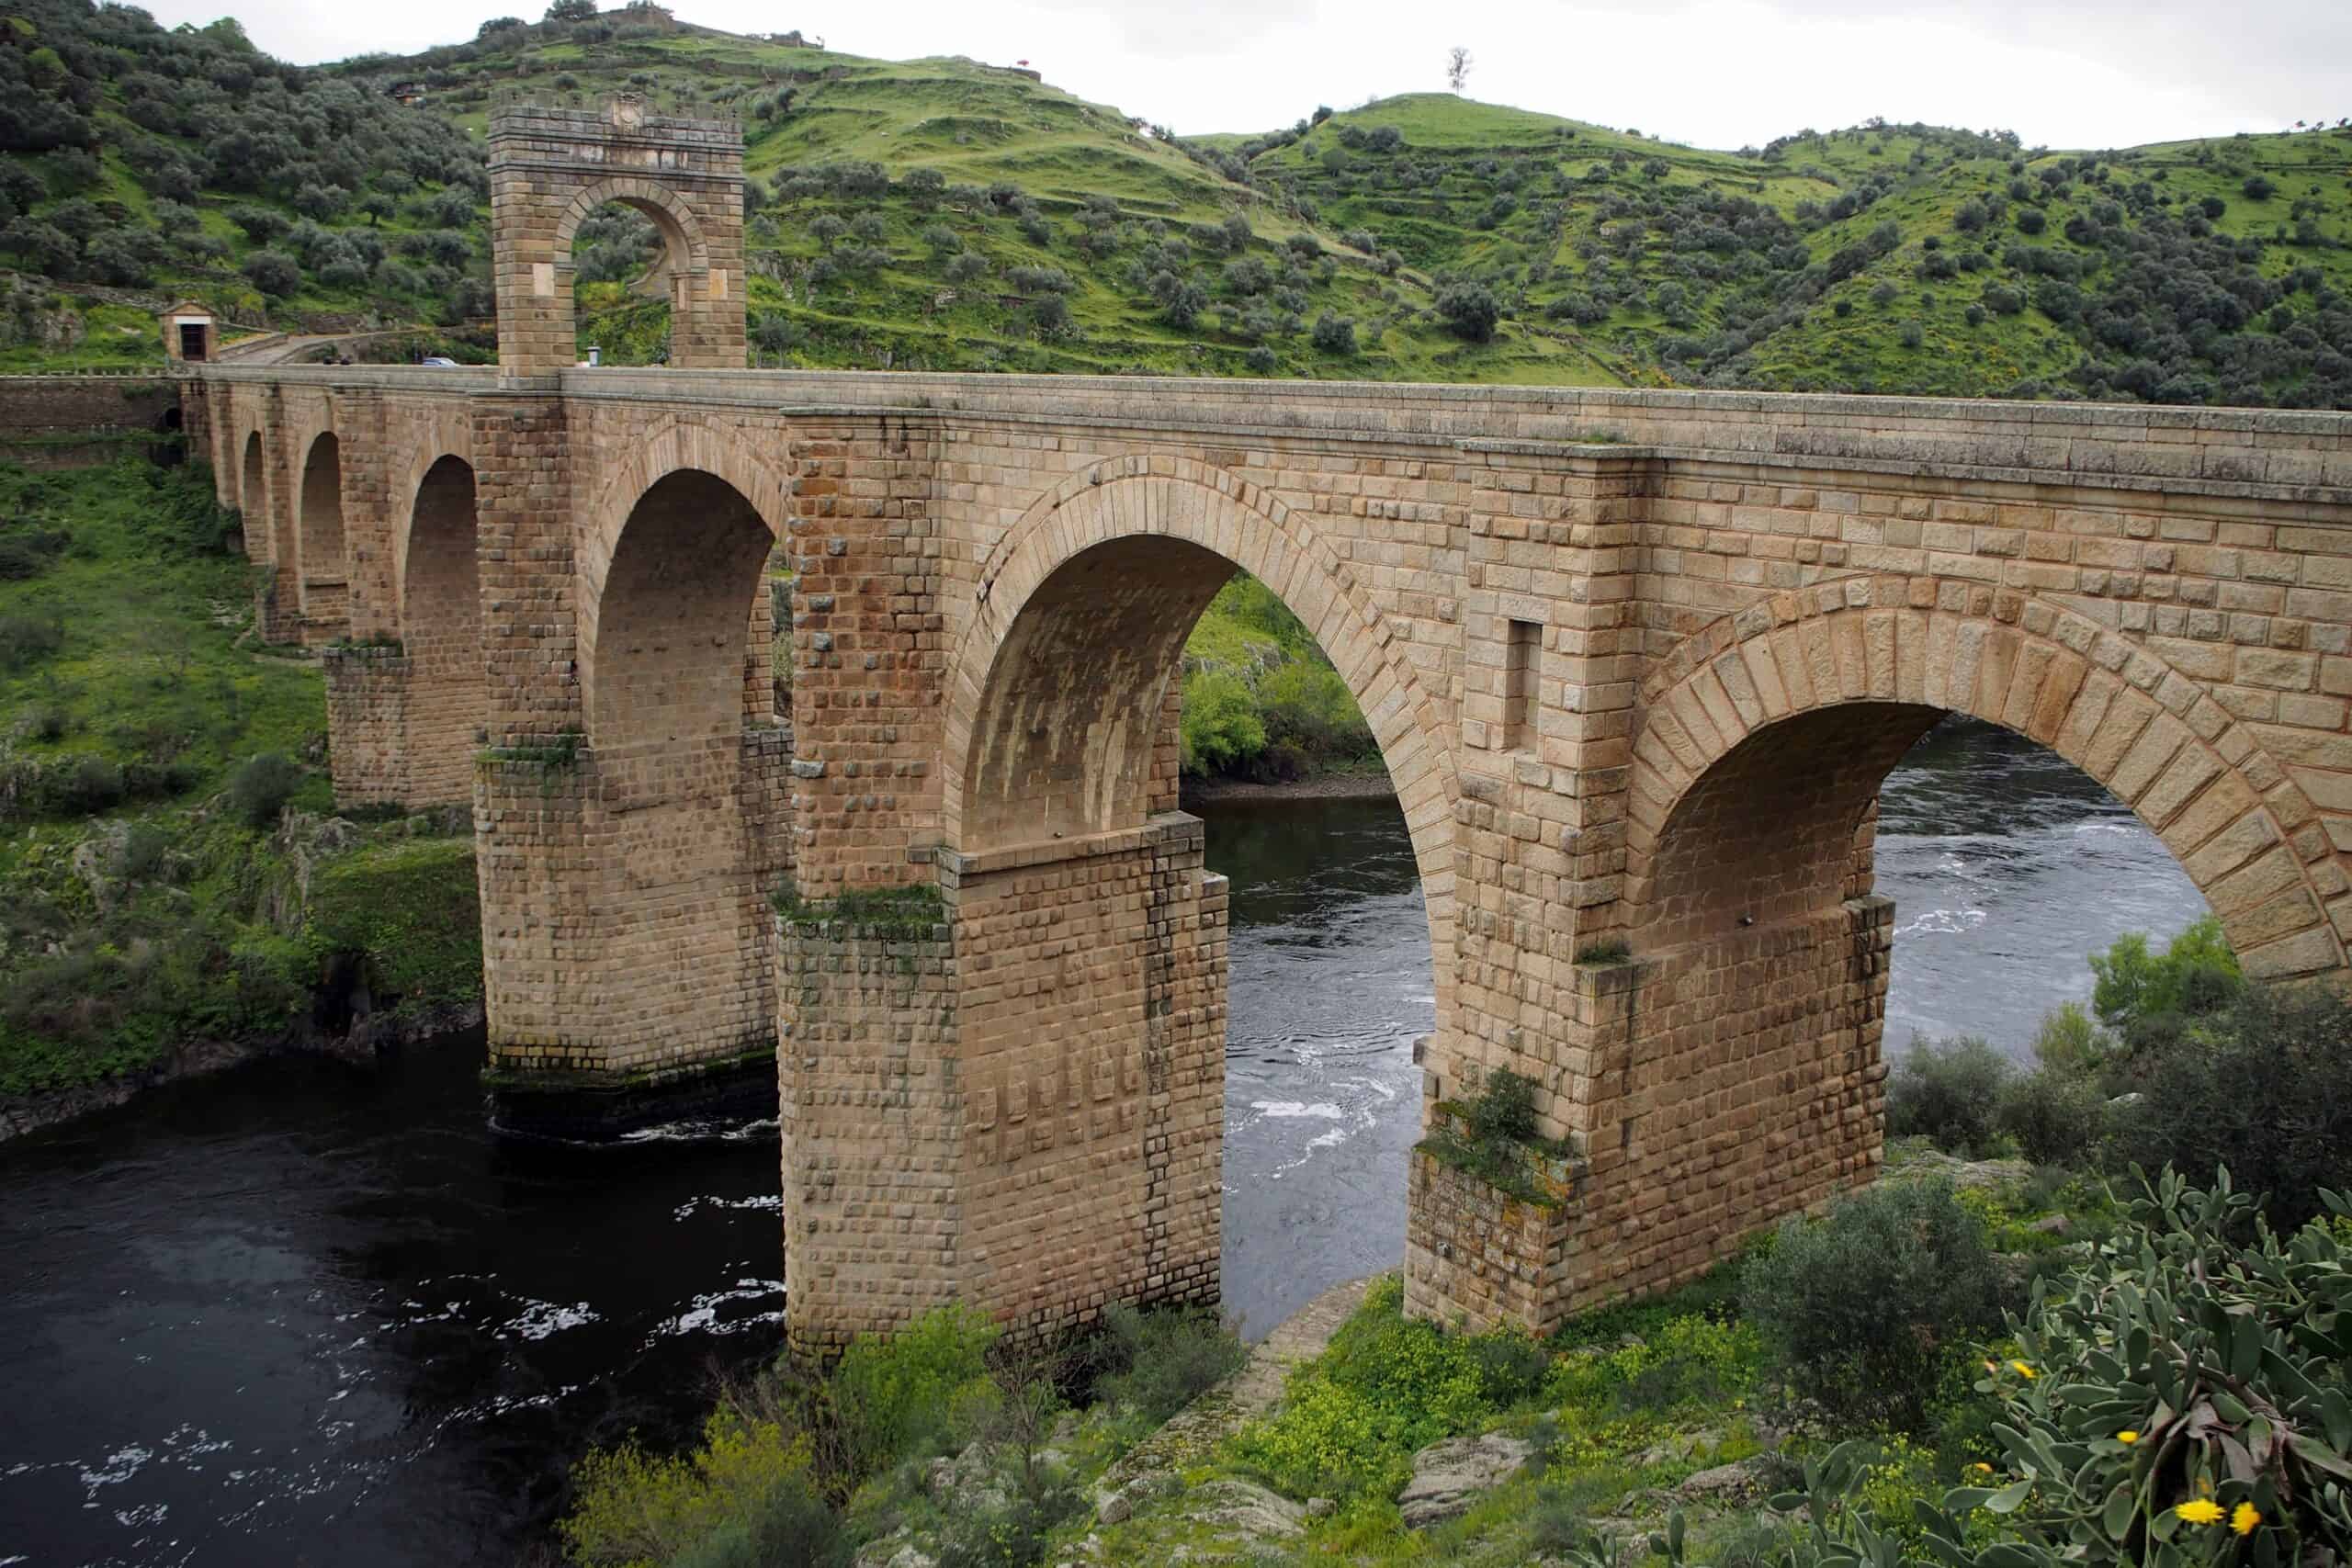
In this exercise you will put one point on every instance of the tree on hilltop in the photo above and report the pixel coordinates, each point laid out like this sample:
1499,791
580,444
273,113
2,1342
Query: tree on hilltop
571,11
1457,67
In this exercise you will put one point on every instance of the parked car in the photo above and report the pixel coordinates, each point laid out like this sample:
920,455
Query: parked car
439,360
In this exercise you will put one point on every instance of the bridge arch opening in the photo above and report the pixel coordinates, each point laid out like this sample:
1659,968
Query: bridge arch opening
1738,1047
319,541
440,618
1102,906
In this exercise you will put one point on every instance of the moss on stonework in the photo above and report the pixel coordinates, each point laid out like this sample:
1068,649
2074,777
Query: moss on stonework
1518,1164
909,913
555,753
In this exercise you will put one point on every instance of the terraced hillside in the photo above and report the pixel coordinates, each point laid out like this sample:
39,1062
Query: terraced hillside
948,214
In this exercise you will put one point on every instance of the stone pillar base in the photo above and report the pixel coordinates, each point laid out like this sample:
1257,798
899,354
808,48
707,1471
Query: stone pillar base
1007,1090
1478,1255
367,692
582,1107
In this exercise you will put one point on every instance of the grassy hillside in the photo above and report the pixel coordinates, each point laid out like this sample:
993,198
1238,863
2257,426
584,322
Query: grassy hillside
947,214
152,895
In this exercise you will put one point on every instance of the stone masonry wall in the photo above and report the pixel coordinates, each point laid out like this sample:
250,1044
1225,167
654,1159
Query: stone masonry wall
1482,1257
1560,639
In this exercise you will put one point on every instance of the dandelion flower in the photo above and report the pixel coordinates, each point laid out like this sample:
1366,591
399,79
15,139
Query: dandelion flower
2203,1511
2024,1371
2244,1517
2127,1438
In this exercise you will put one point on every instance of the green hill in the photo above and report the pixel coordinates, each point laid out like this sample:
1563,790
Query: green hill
951,215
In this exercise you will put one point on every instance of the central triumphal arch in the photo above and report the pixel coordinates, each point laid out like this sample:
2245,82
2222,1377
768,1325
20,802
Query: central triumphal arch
1638,662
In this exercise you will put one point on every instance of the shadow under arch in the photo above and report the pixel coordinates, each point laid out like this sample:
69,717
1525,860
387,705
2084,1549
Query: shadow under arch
1766,736
1057,692
439,584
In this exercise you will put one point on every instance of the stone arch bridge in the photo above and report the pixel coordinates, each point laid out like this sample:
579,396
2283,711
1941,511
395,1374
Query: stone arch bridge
1637,663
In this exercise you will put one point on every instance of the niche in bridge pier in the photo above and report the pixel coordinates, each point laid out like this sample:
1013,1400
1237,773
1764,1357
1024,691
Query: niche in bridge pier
667,659
440,600
324,581
253,503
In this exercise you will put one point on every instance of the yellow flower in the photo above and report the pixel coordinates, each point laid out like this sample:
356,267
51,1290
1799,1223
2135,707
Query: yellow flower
2244,1517
2126,1437
2024,1371
1981,1469
2203,1511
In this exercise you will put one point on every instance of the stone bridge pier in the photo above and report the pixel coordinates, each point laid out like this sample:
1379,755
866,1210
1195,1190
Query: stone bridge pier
1637,663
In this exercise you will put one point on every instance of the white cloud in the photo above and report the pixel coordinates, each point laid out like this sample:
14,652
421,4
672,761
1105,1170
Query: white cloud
1712,72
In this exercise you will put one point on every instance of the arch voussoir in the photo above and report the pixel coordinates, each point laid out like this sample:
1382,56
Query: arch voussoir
2135,725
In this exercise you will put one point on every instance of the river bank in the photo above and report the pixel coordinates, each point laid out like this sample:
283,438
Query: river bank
1220,791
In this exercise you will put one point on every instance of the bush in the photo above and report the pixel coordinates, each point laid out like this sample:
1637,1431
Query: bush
273,272
2151,1000
1305,703
27,640
1470,311
259,789
1160,1361
2269,1097
1867,1309
1335,334
2056,1118
788,1524
2197,1369
892,1395
1945,1092
634,1507
1219,728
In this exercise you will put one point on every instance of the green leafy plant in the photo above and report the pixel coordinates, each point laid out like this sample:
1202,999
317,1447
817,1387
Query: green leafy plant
1868,1307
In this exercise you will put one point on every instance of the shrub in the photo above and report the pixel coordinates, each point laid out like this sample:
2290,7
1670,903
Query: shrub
1470,311
2067,1042
2054,1117
1505,1107
2269,1097
259,789
2031,220
273,272
1220,726
27,640
2150,1000
2259,187
1868,1308
1261,360
1305,703
788,1523
2191,1366
634,1507
1335,334
1160,1361
892,1395
1945,1092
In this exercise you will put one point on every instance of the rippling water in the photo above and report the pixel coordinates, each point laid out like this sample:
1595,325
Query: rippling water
306,1313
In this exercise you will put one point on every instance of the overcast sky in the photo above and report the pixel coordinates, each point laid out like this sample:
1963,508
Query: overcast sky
2090,73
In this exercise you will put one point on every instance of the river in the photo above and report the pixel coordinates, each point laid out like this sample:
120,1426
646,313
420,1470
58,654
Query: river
302,1312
